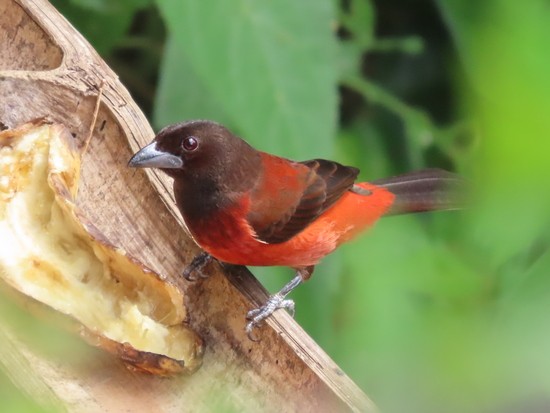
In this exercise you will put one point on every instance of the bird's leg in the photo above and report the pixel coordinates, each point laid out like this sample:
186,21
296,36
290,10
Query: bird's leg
194,270
277,301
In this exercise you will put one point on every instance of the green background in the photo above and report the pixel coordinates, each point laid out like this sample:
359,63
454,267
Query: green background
444,312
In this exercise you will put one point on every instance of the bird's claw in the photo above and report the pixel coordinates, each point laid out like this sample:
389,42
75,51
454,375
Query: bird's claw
194,270
257,315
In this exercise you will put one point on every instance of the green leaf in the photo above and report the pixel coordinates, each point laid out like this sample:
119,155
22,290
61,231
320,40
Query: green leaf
103,23
181,93
270,65
350,55
360,21
109,6
14,401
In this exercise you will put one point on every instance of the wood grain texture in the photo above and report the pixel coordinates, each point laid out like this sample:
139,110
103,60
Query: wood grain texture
48,69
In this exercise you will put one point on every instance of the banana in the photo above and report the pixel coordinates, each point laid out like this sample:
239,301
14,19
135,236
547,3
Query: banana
51,253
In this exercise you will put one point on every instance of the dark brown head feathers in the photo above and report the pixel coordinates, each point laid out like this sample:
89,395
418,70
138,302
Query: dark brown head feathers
216,164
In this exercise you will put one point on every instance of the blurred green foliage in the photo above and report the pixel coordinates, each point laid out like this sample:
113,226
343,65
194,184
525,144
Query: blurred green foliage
44,337
13,401
437,313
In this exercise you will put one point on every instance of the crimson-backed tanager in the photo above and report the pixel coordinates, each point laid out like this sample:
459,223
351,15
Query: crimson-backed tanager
247,207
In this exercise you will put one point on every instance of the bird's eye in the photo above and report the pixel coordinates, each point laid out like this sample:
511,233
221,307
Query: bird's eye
190,143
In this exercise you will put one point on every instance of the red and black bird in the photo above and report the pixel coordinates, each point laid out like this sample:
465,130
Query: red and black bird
247,207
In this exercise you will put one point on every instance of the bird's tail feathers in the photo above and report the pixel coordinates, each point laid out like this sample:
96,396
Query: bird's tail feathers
424,190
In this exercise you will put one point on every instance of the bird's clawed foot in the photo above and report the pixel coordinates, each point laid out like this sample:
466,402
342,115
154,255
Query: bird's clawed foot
276,301
256,316
194,270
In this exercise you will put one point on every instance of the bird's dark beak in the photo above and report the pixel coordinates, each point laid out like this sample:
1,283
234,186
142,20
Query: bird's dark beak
150,157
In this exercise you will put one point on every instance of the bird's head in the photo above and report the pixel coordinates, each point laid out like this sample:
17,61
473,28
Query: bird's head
198,150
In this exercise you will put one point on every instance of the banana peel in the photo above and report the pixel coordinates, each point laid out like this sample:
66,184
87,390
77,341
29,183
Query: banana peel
51,253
